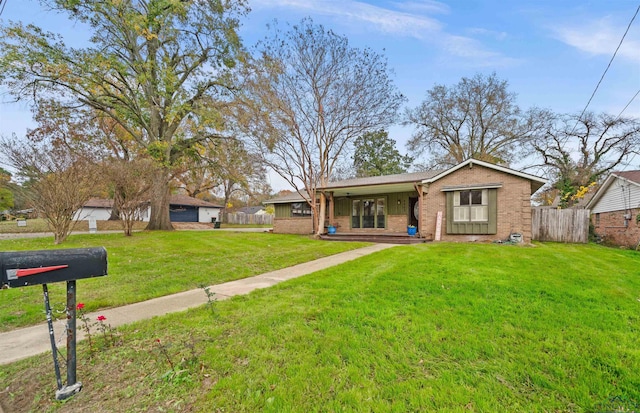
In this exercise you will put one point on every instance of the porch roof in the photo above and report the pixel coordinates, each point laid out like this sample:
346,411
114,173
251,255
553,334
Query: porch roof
379,184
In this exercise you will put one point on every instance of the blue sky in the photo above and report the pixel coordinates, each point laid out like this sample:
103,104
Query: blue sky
552,52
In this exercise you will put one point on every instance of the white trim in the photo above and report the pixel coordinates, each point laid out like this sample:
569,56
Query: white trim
605,186
470,187
472,161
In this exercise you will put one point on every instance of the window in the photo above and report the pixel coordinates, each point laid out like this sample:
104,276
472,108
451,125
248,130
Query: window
368,213
471,206
300,209
472,211
597,218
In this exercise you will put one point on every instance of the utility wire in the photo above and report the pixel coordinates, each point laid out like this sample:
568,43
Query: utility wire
625,108
618,117
2,3
607,69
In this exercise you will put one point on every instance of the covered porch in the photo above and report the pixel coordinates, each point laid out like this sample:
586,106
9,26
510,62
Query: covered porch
380,209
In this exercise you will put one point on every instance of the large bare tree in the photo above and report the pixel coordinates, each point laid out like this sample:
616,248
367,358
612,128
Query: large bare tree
57,183
578,150
152,64
476,118
312,96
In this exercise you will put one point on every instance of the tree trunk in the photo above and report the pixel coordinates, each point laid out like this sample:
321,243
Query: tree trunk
321,214
159,219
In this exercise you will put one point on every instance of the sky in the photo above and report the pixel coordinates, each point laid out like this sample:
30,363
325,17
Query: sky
552,53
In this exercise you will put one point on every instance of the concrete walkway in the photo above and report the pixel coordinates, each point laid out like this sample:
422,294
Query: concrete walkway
26,342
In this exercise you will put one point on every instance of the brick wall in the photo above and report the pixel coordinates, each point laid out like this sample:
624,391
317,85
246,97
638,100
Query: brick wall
293,225
514,204
395,224
611,227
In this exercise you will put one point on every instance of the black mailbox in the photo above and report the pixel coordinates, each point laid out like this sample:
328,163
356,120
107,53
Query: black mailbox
22,268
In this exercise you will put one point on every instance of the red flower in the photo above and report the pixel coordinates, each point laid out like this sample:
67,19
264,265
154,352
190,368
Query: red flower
80,306
157,340
101,318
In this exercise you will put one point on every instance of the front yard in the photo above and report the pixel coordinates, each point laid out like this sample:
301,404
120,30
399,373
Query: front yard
435,327
154,264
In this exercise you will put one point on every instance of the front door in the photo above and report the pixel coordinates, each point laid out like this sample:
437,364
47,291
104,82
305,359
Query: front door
414,211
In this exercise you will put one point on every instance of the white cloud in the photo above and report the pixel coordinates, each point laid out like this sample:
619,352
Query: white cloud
425,6
488,33
601,37
410,19
385,20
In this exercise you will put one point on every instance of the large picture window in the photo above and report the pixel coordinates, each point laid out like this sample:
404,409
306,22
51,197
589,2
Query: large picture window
471,206
472,211
368,213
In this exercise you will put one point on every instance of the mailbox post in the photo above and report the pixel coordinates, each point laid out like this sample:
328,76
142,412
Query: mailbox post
25,268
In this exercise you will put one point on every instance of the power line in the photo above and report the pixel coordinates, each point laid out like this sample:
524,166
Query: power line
2,3
607,69
627,105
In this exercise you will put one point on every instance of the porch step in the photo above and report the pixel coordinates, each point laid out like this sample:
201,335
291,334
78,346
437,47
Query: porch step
377,238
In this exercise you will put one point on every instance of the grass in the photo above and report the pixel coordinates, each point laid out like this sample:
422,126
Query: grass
154,264
439,327
40,225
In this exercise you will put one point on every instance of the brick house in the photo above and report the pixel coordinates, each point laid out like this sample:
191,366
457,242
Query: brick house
472,201
615,209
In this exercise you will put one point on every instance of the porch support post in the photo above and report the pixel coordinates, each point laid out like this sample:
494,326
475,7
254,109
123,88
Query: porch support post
331,208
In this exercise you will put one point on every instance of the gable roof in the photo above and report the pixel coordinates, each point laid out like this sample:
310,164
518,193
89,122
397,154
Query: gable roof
250,209
173,200
536,181
631,177
287,198
189,201
403,182
99,203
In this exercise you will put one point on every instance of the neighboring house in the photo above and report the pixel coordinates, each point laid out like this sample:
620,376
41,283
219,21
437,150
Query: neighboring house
97,209
182,208
252,210
615,209
472,201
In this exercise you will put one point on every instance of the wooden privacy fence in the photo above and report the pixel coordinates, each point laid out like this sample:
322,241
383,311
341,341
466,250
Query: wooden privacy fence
247,219
560,225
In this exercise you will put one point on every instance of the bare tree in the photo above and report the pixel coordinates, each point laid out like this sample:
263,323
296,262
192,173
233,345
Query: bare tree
580,150
312,96
59,183
476,118
131,180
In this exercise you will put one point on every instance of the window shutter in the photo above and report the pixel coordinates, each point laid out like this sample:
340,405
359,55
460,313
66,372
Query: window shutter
493,211
449,212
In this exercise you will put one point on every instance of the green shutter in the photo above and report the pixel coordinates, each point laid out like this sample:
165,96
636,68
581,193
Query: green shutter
493,211
449,213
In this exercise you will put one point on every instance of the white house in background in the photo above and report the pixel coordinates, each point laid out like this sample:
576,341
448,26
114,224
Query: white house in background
615,209
182,208
95,209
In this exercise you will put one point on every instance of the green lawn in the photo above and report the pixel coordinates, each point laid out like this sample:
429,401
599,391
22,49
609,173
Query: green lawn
153,264
435,327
